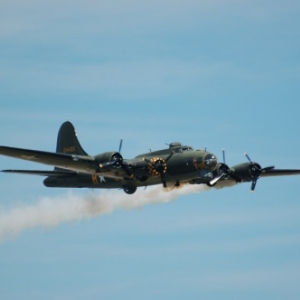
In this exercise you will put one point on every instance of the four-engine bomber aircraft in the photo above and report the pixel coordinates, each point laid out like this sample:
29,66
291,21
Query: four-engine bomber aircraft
174,166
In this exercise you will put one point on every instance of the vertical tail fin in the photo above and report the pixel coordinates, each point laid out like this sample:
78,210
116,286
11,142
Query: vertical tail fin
67,141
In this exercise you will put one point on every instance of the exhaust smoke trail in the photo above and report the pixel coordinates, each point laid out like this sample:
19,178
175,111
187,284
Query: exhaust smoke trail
51,211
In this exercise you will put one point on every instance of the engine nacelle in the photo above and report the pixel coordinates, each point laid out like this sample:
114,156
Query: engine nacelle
109,160
222,169
157,166
246,172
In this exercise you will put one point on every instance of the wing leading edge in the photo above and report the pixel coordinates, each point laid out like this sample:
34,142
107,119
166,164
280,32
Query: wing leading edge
72,162
280,172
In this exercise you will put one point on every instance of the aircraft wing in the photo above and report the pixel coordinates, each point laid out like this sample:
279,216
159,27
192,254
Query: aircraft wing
280,172
76,163
63,160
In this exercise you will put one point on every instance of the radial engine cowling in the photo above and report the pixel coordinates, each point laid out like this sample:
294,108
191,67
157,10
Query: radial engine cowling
222,169
157,166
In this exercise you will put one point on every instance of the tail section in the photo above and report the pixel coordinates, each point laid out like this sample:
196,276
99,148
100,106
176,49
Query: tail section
67,141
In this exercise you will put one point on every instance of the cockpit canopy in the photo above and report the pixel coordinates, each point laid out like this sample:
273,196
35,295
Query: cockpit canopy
177,147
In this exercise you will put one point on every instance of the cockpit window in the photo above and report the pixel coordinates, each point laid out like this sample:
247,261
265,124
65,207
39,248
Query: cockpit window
183,149
187,148
178,150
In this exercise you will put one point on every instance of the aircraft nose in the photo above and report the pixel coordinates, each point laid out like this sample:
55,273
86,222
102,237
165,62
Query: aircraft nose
210,161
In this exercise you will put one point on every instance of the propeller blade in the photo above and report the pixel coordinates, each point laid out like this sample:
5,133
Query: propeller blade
268,168
120,146
223,151
163,180
216,179
253,185
248,157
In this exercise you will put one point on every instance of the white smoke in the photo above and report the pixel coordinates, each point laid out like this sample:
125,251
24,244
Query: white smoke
50,212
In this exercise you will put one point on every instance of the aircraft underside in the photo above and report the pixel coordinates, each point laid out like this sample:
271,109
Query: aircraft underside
101,182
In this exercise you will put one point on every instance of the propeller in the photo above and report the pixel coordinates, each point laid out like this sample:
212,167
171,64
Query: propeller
122,164
255,171
117,162
223,171
158,167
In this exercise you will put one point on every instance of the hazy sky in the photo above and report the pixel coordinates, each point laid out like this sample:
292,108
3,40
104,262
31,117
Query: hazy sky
215,74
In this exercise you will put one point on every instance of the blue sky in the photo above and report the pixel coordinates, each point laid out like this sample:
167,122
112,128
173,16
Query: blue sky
215,74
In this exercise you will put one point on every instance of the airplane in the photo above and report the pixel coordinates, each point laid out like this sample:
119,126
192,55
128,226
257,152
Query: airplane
174,166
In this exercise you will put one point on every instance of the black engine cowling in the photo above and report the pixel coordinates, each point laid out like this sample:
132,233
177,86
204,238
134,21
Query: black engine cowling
246,172
221,172
223,169
109,160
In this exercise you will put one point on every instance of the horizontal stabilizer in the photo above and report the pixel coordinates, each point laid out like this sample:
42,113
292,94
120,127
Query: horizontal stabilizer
42,173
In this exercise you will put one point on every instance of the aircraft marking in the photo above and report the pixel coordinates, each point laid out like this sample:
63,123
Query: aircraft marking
95,179
71,149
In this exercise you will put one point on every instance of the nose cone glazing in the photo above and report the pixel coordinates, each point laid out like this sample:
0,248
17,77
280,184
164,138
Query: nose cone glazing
210,161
